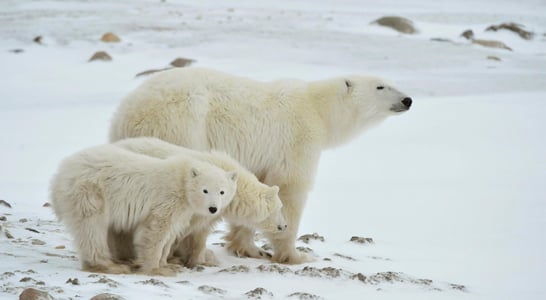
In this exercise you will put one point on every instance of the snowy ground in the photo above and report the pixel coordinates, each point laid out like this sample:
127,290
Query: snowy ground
452,191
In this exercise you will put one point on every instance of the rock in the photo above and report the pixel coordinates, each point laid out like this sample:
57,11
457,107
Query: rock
23,220
8,234
38,40
443,40
235,269
517,28
110,37
32,230
258,293
148,72
359,276
207,289
107,296
100,55
361,240
459,287
305,296
496,58
305,249
399,24
274,268
491,44
468,34
180,62
47,204
306,238
3,218
154,282
34,294
316,272
16,51
37,242
73,281
5,203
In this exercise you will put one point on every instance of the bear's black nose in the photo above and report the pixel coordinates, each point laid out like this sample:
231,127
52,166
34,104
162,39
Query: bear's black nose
281,227
213,209
407,102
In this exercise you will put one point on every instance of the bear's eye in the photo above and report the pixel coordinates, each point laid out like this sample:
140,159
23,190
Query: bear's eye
205,191
221,192
348,84
380,87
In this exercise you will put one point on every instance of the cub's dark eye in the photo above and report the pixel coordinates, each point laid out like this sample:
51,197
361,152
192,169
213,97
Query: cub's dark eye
380,87
205,191
348,84
221,192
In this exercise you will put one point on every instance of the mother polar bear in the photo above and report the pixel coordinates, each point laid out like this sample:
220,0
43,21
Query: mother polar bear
275,129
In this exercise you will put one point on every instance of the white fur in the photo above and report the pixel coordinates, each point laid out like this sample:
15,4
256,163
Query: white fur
275,129
254,206
108,187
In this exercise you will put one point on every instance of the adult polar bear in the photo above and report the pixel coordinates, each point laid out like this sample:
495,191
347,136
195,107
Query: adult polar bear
275,129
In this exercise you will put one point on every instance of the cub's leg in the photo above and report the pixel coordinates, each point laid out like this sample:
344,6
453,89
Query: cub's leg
241,242
150,240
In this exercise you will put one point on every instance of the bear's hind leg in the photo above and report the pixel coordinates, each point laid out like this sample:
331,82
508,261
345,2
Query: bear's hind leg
241,242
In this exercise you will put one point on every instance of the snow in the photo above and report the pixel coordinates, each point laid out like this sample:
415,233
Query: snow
451,191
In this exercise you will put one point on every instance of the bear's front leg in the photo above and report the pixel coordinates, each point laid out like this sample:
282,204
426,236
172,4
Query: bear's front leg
284,243
150,241
240,241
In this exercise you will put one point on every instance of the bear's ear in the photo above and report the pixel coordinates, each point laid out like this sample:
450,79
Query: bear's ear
233,176
272,192
194,172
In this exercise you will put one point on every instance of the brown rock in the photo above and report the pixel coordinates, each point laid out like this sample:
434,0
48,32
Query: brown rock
110,37
517,28
182,62
207,289
34,294
306,238
258,293
468,34
3,218
37,242
47,204
101,55
38,40
361,240
60,247
491,44
399,24
107,296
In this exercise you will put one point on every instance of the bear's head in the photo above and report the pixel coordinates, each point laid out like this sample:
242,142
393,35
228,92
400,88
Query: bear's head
210,189
372,95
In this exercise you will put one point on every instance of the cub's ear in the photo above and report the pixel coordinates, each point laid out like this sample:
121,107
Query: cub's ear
194,172
233,176
348,84
272,192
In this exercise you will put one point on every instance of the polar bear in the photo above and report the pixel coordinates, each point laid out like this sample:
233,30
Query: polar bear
106,186
277,129
254,206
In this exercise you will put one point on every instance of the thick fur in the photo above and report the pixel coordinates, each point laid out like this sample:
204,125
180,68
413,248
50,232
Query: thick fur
277,129
254,206
154,199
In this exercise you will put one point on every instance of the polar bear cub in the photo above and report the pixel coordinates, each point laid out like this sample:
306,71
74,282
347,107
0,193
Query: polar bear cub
108,187
254,206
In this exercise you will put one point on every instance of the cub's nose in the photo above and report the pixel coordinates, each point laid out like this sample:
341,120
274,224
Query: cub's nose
213,209
282,227
407,102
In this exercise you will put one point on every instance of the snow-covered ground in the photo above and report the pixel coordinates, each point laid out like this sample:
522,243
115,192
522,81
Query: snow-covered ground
452,191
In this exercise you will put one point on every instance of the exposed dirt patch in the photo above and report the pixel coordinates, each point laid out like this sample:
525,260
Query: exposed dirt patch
304,296
259,293
235,269
153,282
514,27
274,268
207,289
306,238
361,240
344,257
328,272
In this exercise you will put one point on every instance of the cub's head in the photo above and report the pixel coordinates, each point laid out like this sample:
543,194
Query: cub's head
273,220
210,189
374,95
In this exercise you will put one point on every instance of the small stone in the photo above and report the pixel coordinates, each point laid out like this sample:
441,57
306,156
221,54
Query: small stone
73,281
110,37
47,204
23,220
274,268
305,296
399,24
183,282
182,62
44,261
359,276
361,240
491,44
154,282
16,51
8,234
468,34
107,296
152,71
516,28
60,247
495,58
34,294
5,203
305,249
459,287
235,269
306,238
38,40
26,279
100,55
32,230
3,218
258,293
37,242
207,289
